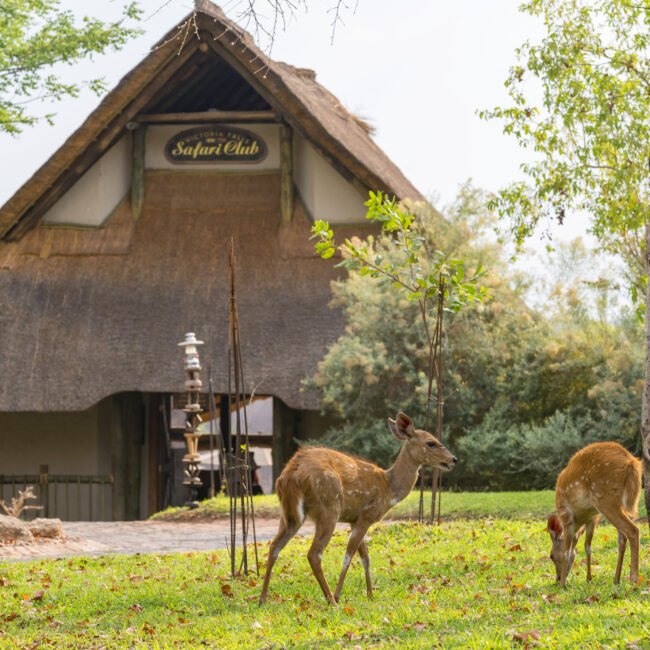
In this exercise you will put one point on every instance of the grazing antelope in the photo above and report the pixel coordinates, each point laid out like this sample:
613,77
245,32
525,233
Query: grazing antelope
328,486
603,478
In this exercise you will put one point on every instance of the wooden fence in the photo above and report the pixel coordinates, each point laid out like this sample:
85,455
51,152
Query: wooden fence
70,497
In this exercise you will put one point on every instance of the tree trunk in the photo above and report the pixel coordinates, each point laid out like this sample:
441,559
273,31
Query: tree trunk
645,412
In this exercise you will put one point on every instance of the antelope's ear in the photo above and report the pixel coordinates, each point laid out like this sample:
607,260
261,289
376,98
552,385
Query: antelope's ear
404,426
392,425
554,527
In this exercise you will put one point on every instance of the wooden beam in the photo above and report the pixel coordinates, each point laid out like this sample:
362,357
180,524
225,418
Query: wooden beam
207,117
137,172
286,173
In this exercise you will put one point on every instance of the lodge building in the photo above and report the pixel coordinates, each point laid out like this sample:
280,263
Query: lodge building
116,247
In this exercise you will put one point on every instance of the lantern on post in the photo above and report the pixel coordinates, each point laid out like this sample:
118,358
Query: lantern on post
192,409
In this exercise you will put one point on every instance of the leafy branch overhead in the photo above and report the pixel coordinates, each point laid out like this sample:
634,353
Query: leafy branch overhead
416,270
580,100
36,36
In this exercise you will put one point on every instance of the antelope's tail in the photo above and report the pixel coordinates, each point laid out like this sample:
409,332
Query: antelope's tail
632,488
292,499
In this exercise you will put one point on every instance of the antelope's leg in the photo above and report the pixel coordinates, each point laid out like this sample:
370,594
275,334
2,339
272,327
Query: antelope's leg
626,529
284,534
622,543
322,535
356,537
589,535
365,559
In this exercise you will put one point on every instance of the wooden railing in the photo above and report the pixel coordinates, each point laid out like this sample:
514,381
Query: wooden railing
71,497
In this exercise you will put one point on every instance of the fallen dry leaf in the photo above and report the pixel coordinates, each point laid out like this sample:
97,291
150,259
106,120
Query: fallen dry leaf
418,626
531,636
38,595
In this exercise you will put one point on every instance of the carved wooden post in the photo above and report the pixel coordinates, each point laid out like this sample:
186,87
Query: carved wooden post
137,171
286,173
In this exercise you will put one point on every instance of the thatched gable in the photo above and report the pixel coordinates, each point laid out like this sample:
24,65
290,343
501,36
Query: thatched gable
293,93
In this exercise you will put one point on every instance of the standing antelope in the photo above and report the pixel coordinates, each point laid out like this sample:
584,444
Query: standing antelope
603,478
328,486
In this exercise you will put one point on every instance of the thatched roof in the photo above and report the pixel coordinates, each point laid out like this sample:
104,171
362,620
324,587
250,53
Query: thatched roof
294,93
89,313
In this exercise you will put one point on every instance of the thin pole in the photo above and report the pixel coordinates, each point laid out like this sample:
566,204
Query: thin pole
231,468
249,474
436,482
238,392
212,414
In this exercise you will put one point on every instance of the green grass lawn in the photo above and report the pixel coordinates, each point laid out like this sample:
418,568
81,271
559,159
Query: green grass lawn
481,583
455,505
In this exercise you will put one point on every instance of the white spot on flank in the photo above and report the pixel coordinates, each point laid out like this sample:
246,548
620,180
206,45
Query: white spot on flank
301,510
393,501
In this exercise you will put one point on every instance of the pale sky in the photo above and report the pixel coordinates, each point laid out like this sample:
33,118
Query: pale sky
418,70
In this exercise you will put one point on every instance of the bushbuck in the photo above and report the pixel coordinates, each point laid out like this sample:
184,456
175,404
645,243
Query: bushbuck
603,478
328,486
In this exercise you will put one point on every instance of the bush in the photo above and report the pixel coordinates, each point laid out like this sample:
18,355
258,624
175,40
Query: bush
497,455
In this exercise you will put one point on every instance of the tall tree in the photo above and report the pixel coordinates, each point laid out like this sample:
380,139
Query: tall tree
581,101
35,35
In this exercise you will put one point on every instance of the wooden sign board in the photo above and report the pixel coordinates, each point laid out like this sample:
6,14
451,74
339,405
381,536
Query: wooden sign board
215,144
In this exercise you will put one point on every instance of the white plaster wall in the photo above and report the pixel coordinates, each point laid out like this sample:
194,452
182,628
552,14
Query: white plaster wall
324,191
158,136
92,199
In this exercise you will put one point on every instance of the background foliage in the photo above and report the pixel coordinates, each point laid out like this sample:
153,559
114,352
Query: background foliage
531,376
35,36
580,99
